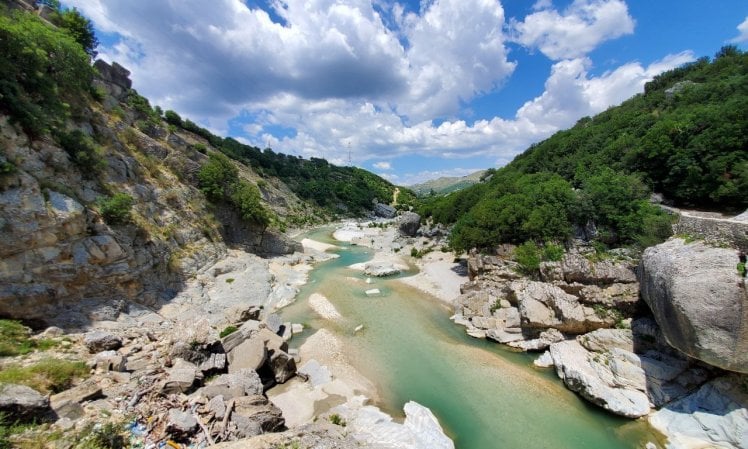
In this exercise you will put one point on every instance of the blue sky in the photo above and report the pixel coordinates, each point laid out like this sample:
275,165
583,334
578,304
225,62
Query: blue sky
415,90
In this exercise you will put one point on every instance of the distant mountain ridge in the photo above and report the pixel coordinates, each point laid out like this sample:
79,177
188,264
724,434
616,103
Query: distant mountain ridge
447,184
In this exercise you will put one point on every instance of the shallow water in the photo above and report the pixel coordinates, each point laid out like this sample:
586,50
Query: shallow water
484,396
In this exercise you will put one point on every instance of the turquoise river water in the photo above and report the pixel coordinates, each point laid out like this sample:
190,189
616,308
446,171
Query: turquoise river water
484,396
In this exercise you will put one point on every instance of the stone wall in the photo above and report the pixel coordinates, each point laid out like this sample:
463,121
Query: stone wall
721,231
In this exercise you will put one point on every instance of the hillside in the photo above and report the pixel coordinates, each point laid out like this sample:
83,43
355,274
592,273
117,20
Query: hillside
446,184
685,138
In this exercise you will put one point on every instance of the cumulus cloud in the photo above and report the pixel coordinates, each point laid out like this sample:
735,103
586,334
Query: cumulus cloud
342,77
383,165
456,50
570,93
576,31
743,33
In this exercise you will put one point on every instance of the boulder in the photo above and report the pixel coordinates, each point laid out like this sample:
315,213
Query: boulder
98,341
408,224
110,361
22,403
282,365
250,354
698,300
181,377
243,382
181,425
254,415
383,210
67,403
622,393
381,269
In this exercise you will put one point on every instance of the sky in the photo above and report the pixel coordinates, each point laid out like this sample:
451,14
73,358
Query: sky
408,90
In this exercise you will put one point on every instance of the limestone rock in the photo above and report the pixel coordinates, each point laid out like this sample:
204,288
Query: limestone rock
408,224
181,424
67,403
380,269
543,305
595,382
181,377
110,361
544,340
714,416
694,293
22,403
251,354
544,361
98,341
243,382
254,415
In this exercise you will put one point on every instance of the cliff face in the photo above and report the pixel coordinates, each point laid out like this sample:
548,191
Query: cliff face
59,255
699,301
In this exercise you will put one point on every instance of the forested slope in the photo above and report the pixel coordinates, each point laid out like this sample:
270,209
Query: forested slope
685,137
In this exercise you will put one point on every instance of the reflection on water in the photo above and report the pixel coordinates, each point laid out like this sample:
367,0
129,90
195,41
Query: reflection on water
484,396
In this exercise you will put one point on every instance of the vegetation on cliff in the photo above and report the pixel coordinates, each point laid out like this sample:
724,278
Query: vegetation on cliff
46,85
684,137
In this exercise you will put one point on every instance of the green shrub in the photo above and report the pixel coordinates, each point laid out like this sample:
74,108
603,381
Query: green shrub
527,256
337,420
47,375
200,148
44,73
553,252
228,330
107,436
116,209
741,269
82,150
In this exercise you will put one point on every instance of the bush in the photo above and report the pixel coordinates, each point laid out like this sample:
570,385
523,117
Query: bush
43,72
82,150
46,376
116,209
553,252
527,256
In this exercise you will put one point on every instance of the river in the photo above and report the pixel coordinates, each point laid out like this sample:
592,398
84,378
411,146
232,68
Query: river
485,396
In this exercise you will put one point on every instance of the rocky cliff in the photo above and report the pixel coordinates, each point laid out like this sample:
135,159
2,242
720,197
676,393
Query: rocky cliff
64,263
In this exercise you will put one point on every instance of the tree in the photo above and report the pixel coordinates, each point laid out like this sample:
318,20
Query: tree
80,28
43,73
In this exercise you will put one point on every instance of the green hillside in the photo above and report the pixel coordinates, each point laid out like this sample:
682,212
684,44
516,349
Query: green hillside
685,137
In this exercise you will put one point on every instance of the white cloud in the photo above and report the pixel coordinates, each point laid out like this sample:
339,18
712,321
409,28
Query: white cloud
743,30
570,93
456,50
383,165
340,79
575,32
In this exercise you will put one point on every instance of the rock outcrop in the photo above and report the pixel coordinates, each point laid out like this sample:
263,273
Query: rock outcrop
573,296
22,403
699,301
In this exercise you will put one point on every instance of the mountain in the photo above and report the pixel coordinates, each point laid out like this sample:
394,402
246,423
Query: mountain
446,184
685,138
